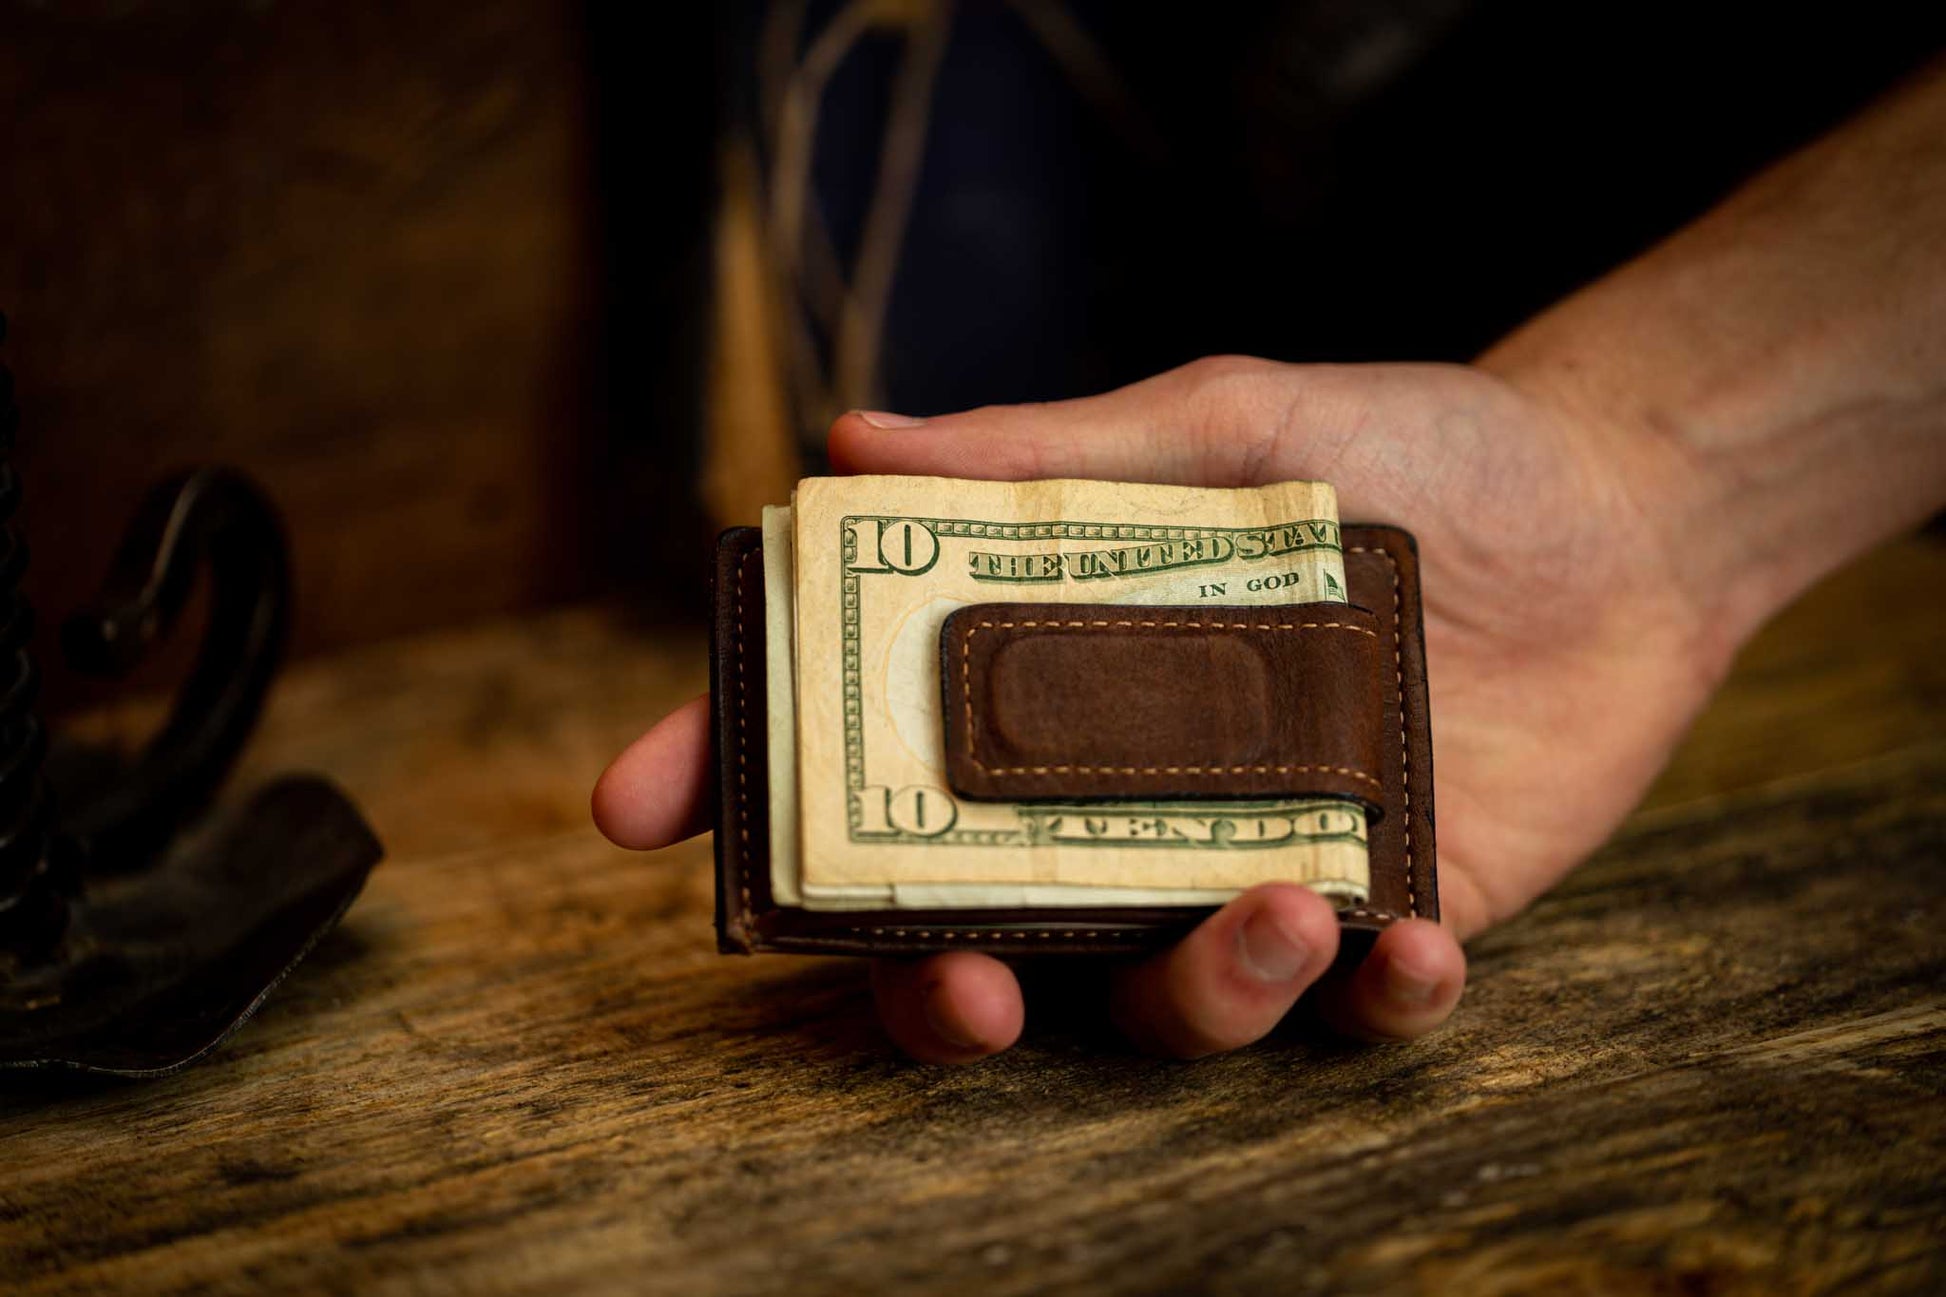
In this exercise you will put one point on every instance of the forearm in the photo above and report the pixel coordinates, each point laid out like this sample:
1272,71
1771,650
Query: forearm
1780,365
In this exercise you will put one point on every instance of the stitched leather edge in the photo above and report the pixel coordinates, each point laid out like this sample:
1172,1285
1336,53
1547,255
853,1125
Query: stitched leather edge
743,734
1405,746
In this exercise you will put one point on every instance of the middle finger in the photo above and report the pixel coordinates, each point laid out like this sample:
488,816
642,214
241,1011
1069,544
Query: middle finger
1233,978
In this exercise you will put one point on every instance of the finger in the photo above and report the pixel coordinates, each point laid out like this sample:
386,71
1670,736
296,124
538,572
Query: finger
951,1008
1229,982
1215,422
657,791
1407,986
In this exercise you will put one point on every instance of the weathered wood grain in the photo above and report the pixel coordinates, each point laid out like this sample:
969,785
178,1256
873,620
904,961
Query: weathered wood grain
1712,1061
1712,1057
1853,670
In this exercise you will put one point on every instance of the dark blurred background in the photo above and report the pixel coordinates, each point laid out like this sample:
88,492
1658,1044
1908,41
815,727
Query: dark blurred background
511,303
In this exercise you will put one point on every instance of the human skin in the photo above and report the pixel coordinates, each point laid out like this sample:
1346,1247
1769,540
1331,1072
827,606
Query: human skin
1608,503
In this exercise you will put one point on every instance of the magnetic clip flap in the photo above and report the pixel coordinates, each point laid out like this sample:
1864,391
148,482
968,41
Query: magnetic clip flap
1049,701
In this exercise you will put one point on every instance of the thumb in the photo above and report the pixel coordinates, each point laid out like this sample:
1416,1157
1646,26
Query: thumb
1223,421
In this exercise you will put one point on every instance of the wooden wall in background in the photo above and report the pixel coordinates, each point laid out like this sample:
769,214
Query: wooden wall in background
350,247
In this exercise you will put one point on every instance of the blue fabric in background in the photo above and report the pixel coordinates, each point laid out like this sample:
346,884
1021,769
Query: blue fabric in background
1310,180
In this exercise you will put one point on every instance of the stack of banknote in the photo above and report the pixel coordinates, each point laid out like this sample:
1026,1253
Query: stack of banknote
859,575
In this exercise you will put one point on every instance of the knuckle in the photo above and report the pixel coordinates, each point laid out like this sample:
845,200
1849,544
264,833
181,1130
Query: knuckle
1224,373
1227,403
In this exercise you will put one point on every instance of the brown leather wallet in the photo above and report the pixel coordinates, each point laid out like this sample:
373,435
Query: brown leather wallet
1308,699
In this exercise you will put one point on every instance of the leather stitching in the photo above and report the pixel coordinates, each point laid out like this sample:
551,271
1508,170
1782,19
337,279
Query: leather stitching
966,693
1405,748
1193,625
743,741
976,934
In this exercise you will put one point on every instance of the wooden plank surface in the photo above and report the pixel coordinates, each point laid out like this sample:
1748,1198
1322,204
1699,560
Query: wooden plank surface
1712,1061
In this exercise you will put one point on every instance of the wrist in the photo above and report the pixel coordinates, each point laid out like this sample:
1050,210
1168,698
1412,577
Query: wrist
1764,467
1652,495
1774,375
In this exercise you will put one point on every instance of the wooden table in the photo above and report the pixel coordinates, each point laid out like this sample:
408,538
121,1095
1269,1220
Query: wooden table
1711,1062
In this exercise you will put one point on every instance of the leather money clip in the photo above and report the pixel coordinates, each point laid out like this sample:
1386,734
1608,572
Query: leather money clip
1093,702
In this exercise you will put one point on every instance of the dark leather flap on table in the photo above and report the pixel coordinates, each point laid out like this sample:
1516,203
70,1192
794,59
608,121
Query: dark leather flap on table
1382,576
1056,702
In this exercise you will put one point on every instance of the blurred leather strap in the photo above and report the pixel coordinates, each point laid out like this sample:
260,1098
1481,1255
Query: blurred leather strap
1368,690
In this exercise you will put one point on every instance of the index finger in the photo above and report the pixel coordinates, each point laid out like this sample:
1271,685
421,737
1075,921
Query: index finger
1213,422
657,791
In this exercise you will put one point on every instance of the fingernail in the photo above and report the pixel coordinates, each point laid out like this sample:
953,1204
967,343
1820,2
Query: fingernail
882,419
1407,985
1268,950
945,1023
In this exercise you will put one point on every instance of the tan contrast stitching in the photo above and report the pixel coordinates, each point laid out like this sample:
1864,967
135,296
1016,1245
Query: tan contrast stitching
990,934
1405,749
743,743
1191,625
966,693
1177,770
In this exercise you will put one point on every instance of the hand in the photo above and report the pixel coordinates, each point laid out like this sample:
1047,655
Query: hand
1566,656
1606,505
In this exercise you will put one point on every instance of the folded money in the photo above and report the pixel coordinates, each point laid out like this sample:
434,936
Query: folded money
860,577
